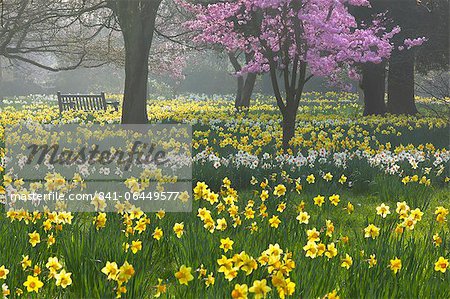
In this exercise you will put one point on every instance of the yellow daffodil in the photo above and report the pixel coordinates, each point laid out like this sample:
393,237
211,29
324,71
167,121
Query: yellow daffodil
310,179
328,176
395,265
372,261
347,261
303,217
279,190
226,244
63,279
34,238
437,240
383,210
210,280
3,272
160,288
371,231
184,275
111,270
126,271
157,233
350,208
441,264
331,251
136,246
33,284
26,262
178,229
260,288
240,291
319,200
334,199
274,221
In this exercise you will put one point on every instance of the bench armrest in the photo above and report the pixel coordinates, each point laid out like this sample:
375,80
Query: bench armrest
115,104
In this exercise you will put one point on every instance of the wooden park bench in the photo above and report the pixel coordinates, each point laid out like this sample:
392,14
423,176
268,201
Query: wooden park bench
84,102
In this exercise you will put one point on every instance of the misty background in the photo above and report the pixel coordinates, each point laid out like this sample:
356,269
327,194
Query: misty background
212,74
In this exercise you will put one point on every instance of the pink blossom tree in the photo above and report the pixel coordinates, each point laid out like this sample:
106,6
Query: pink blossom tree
237,57
294,40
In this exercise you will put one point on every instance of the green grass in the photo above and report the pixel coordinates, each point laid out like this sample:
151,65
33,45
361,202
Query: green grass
84,251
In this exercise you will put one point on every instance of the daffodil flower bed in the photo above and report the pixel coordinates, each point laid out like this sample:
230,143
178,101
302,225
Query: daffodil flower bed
358,209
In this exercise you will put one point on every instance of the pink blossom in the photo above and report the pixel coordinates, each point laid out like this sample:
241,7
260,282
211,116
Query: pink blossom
409,43
321,33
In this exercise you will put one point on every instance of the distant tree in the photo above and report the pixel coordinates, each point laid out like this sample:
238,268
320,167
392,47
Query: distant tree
40,31
1,81
50,34
84,33
373,76
417,19
433,56
373,85
436,85
406,14
209,32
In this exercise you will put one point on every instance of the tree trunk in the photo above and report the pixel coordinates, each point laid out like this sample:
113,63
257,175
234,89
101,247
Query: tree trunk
240,87
401,83
294,90
374,86
137,47
245,84
248,89
240,79
137,22
1,81
134,108
288,124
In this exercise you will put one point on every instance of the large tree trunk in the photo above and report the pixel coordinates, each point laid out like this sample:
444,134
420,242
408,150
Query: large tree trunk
288,124
137,22
401,83
134,108
374,86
